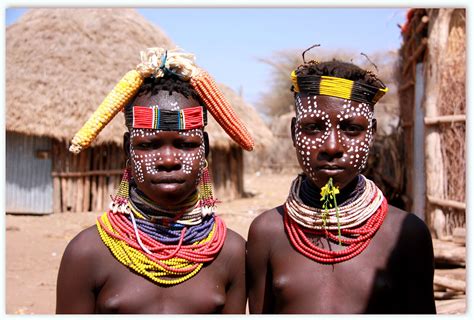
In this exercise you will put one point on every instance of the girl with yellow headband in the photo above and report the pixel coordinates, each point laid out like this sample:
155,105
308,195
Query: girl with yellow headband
335,246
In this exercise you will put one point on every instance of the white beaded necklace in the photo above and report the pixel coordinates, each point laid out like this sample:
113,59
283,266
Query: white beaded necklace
350,215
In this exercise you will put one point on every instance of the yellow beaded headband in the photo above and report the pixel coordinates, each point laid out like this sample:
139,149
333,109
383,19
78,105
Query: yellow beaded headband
337,87
158,62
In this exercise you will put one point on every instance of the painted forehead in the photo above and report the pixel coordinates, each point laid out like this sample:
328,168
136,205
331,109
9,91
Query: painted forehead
139,132
319,105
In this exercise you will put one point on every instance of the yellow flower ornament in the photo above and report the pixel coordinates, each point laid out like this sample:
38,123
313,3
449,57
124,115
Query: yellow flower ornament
328,197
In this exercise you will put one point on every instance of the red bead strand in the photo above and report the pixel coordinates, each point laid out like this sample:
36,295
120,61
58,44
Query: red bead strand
355,246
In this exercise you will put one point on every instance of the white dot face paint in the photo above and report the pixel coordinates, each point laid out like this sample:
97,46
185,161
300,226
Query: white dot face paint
156,151
309,116
166,165
332,131
357,149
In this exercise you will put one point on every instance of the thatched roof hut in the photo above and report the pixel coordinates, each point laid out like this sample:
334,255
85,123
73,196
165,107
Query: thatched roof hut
227,158
60,65
283,154
432,95
254,123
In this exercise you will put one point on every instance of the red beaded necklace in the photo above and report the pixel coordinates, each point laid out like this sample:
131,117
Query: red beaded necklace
356,239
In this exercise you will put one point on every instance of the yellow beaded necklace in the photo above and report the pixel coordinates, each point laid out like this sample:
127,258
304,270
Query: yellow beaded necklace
171,271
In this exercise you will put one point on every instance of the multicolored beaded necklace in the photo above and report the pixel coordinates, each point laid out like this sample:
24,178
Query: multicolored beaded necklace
167,250
190,213
359,220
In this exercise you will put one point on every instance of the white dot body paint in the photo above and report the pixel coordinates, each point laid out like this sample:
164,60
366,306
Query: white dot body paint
303,143
149,164
356,152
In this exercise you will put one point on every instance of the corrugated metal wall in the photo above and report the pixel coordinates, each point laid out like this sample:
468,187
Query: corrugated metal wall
29,185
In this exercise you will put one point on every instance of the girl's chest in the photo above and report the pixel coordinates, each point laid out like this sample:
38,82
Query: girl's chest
127,292
303,285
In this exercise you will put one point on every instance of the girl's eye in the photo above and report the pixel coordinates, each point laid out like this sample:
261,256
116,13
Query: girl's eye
189,145
144,145
352,128
312,127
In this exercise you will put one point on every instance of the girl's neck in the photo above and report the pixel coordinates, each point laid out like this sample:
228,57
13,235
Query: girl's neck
150,208
311,195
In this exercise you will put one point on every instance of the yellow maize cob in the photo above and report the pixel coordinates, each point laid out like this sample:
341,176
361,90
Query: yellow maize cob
115,101
221,109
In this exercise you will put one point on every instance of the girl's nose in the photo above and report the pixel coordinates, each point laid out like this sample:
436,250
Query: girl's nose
332,147
169,161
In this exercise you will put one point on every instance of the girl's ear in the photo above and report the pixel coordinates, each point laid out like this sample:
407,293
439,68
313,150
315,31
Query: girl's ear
293,126
206,143
126,144
374,126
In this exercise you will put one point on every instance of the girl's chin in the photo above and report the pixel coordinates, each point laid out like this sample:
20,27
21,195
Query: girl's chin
321,180
169,195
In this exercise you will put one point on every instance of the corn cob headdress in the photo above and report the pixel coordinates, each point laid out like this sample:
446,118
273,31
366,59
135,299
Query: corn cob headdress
157,62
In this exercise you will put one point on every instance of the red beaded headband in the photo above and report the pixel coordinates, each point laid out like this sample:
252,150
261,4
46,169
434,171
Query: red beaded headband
169,120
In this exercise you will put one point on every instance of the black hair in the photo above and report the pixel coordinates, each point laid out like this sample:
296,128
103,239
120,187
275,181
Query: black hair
170,83
340,69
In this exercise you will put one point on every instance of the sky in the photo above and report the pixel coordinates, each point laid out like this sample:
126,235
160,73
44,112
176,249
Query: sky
229,42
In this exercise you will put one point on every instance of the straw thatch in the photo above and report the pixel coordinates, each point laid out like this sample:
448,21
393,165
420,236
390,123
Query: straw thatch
61,63
254,123
283,155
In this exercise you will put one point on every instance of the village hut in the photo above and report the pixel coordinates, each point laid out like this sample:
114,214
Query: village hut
226,158
283,155
60,64
432,97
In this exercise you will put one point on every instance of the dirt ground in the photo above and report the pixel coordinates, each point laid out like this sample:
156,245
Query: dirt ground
34,244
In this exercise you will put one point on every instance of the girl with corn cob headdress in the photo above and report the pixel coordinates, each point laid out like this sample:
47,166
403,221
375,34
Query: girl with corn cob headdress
335,246
159,248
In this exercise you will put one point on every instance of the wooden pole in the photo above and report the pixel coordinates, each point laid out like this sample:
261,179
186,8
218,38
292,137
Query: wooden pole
445,119
100,190
110,166
70,163
453,284
434,164
75,190
446,203
79,196
64,182
407,85
95,162
56,159
87,182
414,57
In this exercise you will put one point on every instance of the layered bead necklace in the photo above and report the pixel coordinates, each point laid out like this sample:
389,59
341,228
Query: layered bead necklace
359,220
168,247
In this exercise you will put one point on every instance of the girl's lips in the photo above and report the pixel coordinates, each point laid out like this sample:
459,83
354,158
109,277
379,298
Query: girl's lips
330,167
168,181
330,170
